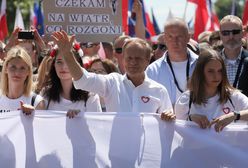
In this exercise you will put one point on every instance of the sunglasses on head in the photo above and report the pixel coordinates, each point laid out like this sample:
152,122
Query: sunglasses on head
118,50
159,46
228,32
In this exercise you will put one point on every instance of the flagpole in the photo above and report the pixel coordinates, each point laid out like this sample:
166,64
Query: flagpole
185,8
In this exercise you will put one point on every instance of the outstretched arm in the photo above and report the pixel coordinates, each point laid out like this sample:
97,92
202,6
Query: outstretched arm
65,43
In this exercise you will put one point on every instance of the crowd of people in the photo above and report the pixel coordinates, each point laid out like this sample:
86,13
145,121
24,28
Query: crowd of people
205,82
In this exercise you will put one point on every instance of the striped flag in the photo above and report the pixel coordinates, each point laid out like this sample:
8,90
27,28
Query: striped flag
205,18
245,13
18,19
129,19
3,21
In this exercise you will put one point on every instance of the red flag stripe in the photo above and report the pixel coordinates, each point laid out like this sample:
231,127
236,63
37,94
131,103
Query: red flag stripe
245,13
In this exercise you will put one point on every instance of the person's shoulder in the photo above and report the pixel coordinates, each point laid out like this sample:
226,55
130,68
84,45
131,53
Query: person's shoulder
157,63
193,55
154,84
184,98
245,52
236,94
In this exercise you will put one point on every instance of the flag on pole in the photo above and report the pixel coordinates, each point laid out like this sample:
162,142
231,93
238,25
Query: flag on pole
125,17
245,13
205,18
32,18
18,19
40,18
234,8
3,21
131,20
155,24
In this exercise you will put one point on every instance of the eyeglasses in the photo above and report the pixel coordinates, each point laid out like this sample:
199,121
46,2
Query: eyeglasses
118,50
162,47
228,32
88,45
98,71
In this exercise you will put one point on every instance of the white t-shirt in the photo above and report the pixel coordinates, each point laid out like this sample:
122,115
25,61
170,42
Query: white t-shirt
91,105
120,95
179,69
7,104
212,109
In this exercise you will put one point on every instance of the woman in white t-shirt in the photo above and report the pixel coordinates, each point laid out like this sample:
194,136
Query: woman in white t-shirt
60,94
210,95
16,83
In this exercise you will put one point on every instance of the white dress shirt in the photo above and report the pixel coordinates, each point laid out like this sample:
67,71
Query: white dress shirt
120,95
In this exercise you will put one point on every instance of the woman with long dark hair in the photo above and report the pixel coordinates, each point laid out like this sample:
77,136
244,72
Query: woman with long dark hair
60,94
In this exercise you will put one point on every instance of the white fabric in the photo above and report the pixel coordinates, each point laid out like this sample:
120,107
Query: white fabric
120,95
8,104
122,140
179,69
92,104
212,109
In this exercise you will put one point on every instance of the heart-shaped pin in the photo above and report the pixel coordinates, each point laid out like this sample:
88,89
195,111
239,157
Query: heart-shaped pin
226,110
145,99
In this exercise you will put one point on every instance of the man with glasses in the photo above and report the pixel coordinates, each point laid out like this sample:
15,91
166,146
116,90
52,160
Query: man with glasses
90,49
235,56
159,48
118,43
174,68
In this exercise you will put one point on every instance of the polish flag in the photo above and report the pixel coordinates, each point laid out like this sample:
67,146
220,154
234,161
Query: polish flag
205,18
3,21
18,19
245,13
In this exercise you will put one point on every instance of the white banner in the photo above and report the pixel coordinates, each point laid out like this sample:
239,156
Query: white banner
117,140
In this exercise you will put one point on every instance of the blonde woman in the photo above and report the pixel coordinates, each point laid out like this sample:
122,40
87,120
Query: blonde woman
17,83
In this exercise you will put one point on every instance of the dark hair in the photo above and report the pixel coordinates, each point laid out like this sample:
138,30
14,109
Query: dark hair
54,87
107,64
197,81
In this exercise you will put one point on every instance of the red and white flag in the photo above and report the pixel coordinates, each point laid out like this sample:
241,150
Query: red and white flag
3,21
245,13
18,19
205,18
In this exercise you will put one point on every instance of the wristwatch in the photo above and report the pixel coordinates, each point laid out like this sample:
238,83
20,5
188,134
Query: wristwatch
237,115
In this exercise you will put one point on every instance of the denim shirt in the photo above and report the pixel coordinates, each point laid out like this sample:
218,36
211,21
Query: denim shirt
161,73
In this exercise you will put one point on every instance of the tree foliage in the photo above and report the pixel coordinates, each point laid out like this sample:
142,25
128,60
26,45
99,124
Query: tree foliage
24,6
224,7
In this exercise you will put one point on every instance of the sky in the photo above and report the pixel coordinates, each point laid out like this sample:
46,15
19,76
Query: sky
161,9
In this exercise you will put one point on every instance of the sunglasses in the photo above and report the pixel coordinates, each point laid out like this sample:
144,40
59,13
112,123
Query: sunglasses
118,50
162,47
228,32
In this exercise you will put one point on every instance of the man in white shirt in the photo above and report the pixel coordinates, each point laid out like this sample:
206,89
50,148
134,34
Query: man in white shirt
174,68
131,92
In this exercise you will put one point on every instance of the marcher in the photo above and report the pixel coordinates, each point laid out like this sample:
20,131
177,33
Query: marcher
60,94
210,95
17,83
178,62
235,56
132,92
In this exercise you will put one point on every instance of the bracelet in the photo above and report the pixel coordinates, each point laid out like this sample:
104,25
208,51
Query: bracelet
237,115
